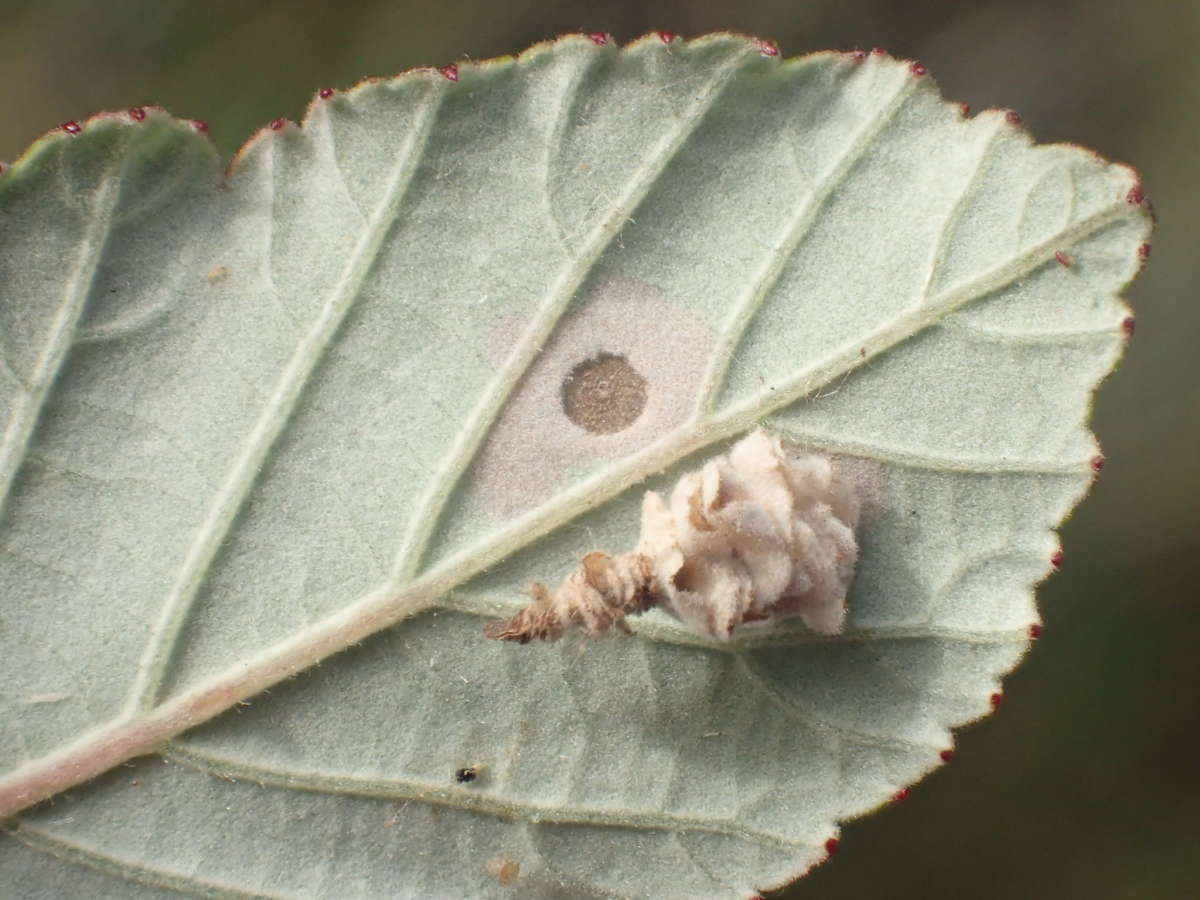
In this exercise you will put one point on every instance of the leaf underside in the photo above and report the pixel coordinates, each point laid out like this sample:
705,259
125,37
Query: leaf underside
254,418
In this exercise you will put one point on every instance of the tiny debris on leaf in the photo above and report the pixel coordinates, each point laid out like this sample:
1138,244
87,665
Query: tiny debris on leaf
504,870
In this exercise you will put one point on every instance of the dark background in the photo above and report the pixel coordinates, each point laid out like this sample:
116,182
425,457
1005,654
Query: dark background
1086,784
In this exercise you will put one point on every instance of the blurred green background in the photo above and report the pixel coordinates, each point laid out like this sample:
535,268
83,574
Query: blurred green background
1086,784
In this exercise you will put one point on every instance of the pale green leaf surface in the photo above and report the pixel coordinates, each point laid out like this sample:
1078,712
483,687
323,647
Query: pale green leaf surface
238,410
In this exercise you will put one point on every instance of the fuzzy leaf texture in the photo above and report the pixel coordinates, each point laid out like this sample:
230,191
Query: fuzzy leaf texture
334,405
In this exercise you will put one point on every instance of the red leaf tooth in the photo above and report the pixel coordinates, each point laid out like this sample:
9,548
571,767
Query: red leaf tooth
138,114
878,51
449,72
666,36
71,127
901,795
1035,631
278,124
858,55
918,69
200,126
832,845
1136,195
1144,252
995,700
946,755
325,93
599,38
1056,559
1097,463
966,109
767,48
1128,324
1012,117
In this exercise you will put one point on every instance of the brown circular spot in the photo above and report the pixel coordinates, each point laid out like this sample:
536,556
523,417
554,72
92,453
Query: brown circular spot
604,394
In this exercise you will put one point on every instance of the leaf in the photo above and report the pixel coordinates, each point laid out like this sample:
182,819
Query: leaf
254,420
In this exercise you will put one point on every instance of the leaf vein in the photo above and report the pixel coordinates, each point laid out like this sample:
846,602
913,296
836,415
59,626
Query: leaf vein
73,852
468,800
807,718
794,233
244,471
31,394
